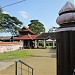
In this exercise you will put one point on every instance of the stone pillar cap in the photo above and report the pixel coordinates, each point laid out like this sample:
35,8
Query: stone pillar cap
66,14
67,7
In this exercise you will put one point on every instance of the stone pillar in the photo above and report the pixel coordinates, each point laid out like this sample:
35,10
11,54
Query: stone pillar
65,40
44,43
28,44
53,43
21,41
35,43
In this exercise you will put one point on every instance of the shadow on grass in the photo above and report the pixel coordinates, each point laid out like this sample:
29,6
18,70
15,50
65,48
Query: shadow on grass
51,56
39,56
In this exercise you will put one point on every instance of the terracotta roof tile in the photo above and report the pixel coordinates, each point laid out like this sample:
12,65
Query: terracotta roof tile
34,36
6,43
26,37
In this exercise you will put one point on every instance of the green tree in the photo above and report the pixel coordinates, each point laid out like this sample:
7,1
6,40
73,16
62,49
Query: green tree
1,15
9,23
36,26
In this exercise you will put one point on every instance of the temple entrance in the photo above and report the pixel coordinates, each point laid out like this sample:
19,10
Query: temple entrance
28,44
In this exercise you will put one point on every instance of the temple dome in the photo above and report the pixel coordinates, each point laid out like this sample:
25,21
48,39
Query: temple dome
66,14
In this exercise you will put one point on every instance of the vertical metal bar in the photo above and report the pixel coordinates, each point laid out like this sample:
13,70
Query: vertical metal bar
28,70
16,68
21,68
32,71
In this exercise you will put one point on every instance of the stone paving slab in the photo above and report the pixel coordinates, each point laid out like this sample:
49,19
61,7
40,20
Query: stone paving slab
4,65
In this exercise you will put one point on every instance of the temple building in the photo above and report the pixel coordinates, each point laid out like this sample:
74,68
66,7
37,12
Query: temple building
30,40
27,37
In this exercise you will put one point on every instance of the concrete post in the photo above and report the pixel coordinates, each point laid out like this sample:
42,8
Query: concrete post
44,43
53,43
35,43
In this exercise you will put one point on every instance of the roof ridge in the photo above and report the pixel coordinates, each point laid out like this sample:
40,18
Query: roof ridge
28,29
29,36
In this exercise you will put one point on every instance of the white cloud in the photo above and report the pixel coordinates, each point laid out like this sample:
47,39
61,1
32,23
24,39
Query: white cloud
5,12
24,14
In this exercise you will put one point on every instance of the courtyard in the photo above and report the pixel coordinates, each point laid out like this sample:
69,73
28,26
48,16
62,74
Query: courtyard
43,61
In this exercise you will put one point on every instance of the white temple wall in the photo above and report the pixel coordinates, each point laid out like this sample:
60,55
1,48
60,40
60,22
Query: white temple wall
10,47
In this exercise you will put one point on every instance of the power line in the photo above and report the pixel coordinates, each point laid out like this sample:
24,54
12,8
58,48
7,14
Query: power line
13,3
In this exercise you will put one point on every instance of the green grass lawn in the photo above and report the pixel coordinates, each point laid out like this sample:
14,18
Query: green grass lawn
14,54
49,46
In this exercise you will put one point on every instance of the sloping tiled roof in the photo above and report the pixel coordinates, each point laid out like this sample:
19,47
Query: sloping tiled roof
26,29
26,37
7,37
34,36
46,36
6,43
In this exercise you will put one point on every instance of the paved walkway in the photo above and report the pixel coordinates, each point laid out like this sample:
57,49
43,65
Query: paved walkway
4,65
